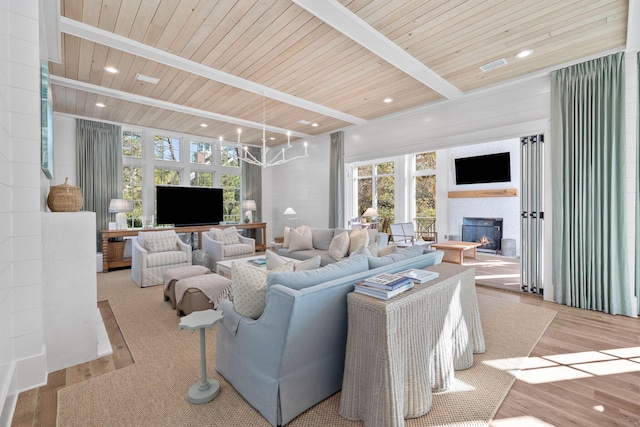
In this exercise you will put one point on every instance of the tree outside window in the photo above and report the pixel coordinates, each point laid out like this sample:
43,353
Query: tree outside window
231,197
132,144
166,176
166,148
201,179
229,156
425,184
201,153
376,189
132,190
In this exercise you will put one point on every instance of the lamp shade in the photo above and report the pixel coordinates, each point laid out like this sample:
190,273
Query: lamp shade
289,211
120,205
371,212
249,205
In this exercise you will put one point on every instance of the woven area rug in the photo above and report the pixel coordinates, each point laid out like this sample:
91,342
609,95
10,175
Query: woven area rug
153,391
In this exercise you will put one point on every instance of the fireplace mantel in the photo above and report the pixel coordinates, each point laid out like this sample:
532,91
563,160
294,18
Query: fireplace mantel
502,192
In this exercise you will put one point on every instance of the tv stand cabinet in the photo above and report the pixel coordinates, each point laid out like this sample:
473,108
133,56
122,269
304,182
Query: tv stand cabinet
109,248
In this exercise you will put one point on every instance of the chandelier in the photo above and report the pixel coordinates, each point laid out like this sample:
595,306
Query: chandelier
279,158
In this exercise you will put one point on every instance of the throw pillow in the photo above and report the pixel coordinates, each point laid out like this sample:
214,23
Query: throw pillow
362,250
358,238
216,234
373,249
230,236
249,288
164,244
287,237
308,264
339,246
389,249
273,259
301,239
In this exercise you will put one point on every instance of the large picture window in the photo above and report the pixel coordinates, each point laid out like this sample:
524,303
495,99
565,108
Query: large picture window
167,148
425,194
231,197
376,188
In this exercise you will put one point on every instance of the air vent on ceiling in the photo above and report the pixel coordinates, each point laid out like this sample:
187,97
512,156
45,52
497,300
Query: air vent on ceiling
147,79
493,65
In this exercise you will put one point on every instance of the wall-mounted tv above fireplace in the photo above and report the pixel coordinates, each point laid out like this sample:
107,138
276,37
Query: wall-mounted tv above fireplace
483,169
182,206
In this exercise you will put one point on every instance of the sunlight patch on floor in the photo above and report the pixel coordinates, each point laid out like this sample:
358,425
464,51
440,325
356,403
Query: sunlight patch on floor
498,276
563,367
525,421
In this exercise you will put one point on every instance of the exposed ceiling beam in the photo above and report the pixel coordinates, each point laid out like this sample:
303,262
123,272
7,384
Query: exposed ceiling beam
130,97
133,47
341,18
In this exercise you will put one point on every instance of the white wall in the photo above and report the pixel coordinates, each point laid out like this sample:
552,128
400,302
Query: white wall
507,208
22,351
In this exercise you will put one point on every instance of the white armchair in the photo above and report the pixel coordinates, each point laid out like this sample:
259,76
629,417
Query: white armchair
224,244
153,252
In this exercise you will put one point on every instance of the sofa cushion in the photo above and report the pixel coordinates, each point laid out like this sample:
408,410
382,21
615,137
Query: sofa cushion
303,279
406,253
274,260
339,247
322,238
164,244
236,249
249,287
358,238
373,235
300,239
159,259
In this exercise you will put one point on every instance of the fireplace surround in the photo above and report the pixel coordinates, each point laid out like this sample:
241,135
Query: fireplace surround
486,231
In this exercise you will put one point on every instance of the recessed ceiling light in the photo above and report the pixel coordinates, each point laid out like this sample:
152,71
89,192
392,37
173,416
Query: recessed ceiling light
148,79
387,100
111,70
315,125
204,125
100,104
524,53
272,138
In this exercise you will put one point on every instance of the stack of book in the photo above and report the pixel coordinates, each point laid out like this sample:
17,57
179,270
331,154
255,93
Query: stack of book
260,262
420,276
384,286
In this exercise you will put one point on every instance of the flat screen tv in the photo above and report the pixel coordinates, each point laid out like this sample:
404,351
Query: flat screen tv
182,206
483,169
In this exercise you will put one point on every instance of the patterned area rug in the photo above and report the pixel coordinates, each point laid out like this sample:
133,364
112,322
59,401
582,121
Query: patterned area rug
153,391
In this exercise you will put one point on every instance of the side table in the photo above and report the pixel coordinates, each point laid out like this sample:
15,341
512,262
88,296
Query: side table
207,389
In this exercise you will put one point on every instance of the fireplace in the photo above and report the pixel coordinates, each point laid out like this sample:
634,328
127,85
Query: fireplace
486,231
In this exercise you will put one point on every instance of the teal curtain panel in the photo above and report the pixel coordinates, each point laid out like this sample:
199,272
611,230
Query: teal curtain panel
588,171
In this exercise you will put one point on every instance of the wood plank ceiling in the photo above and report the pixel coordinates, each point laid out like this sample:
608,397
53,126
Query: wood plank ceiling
310,71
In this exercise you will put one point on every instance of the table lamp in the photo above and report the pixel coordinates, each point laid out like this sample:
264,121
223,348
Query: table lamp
249,206
120,207
369,213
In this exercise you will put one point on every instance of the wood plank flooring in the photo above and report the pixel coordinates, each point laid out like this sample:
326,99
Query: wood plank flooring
600,400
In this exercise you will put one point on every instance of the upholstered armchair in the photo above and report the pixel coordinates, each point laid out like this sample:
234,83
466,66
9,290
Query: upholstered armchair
227,243
153,252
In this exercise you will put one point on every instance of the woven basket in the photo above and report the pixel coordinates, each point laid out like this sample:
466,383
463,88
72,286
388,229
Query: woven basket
64,198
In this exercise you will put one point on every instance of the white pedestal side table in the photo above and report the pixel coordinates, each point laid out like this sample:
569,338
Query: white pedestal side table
206,389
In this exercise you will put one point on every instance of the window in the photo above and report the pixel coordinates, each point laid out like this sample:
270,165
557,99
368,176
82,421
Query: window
376,189
166,176
167,148
132,190
201,153
231,197
229,156
201,179
132,144
425,193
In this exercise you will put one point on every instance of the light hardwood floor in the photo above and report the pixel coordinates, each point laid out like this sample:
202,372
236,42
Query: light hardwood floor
603,399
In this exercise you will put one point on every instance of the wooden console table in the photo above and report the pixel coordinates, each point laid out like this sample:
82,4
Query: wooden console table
110,247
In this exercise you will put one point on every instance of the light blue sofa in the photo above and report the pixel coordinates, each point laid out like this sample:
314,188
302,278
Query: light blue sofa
292,357
321,241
